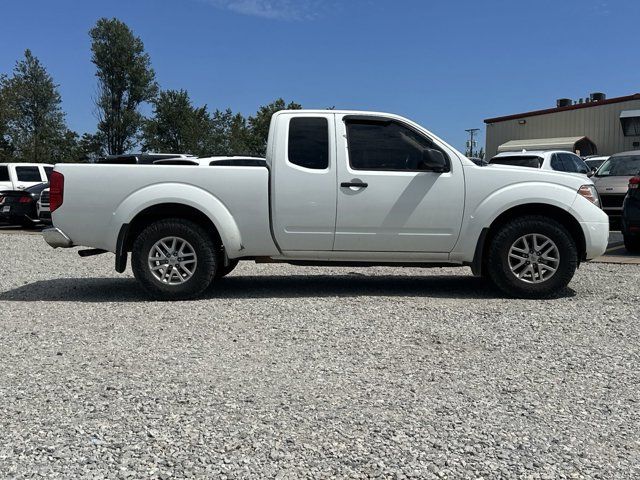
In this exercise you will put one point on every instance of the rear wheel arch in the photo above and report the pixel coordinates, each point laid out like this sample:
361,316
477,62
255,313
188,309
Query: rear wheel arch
130,231
561,216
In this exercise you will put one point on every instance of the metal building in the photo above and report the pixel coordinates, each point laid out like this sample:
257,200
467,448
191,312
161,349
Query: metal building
595,125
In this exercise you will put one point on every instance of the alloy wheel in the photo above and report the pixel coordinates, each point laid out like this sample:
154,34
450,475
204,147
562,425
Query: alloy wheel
172,260
534,258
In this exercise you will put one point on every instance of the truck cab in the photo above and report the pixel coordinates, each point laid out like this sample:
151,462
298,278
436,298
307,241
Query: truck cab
349,183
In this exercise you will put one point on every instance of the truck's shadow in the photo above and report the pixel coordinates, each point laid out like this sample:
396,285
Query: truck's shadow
256,287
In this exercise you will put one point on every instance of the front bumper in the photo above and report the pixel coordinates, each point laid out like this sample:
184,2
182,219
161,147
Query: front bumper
596,236
56,238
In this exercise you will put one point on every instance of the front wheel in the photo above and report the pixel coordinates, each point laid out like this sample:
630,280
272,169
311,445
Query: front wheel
174,259
532,257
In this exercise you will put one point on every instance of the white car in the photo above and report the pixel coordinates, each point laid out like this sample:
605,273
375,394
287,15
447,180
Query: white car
339,188
18,176
556,160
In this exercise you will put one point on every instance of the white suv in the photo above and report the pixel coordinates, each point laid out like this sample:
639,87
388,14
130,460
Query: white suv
557,160
18,176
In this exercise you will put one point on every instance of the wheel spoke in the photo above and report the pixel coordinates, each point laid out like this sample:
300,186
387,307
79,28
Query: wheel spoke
548,268
186,270
541,247
521,261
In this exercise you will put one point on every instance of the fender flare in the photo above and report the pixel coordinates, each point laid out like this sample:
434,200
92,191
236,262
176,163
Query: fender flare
478,222
176,193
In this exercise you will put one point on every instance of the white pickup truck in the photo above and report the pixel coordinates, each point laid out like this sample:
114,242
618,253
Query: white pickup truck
338,188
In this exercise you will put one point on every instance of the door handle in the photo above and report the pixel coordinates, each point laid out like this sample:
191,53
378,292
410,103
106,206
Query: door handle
354,184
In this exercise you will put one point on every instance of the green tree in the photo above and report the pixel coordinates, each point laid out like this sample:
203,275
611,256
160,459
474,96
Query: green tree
35,123
6,148
177,126
239,136
230,134
260,122
91,147
125,81
220,133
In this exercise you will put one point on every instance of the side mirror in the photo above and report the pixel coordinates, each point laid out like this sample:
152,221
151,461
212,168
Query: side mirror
434,161
591,173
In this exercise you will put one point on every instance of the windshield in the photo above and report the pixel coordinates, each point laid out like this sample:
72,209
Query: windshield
530,161
620,167
594,163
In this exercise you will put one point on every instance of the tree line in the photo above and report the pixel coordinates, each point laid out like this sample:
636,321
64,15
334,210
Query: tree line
33,125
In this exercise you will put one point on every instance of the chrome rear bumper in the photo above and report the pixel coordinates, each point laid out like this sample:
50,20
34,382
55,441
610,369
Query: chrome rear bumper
56,238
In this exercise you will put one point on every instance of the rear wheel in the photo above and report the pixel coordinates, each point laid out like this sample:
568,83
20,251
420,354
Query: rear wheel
174,259
532,257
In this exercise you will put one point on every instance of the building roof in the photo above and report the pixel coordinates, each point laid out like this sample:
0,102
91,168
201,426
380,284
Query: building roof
635,96
560,143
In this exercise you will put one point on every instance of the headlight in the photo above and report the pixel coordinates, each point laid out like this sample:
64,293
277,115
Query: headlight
590,193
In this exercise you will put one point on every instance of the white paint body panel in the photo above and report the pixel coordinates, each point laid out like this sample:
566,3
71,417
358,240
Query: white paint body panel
303,199
398,211
99,199
291,213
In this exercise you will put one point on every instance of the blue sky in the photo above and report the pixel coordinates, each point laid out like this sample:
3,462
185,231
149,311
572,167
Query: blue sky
446,64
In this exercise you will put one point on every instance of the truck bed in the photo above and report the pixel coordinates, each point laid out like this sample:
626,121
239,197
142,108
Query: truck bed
98,199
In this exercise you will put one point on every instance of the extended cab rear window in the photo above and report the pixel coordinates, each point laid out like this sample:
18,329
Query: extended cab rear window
530,161
4,173
309,142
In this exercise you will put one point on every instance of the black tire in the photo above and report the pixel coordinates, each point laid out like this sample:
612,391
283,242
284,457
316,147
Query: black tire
224,270
202,245
632,244
498,257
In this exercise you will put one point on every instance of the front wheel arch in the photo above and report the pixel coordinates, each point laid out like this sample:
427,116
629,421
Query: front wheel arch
568,221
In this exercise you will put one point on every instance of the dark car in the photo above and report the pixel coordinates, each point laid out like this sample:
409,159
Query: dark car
631,216
141,158
20,206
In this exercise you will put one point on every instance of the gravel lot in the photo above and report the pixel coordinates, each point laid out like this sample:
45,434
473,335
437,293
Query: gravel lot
286,372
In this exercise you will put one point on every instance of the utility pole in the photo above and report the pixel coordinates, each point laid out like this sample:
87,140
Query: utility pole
472,132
